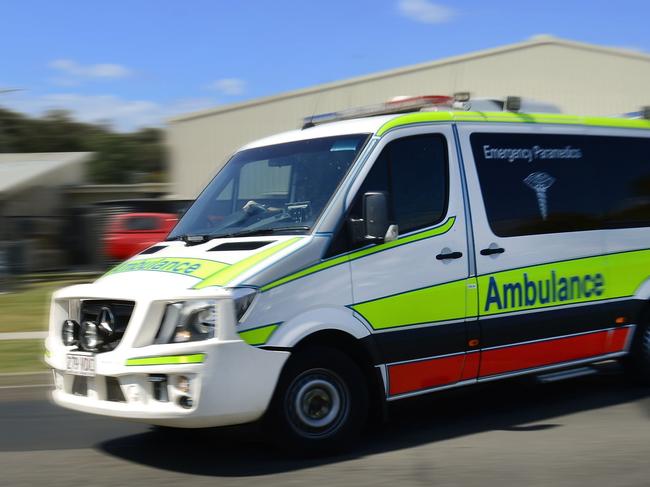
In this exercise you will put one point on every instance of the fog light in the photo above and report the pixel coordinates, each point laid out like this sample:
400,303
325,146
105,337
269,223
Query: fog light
70,333
90,336
185,402
183,384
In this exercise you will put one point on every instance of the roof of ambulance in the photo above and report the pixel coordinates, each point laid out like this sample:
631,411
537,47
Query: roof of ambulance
366,125
381,124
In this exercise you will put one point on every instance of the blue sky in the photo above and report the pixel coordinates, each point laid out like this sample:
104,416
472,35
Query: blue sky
137,62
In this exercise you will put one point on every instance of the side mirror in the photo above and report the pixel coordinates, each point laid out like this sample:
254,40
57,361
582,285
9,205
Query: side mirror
375,215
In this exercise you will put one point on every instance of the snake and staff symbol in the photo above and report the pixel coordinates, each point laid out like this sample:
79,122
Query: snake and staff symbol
540,182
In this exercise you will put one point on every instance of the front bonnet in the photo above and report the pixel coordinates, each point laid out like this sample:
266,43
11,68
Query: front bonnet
182,267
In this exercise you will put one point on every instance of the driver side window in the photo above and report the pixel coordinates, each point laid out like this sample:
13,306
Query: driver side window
414,172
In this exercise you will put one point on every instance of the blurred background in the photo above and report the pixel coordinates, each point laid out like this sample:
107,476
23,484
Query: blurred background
114,115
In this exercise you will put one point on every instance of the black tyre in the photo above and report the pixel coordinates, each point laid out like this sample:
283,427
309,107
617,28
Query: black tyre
320,403
638,362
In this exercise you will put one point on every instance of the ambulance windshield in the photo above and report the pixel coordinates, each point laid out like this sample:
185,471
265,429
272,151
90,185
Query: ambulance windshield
278,189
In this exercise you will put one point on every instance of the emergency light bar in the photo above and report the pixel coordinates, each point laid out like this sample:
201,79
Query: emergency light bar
400,104
460,101
643,114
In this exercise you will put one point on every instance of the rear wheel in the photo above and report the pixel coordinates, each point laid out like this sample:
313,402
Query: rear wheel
320,404
638,362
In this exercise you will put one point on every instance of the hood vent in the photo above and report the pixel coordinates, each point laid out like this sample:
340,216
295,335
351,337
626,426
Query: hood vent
152,250
224,247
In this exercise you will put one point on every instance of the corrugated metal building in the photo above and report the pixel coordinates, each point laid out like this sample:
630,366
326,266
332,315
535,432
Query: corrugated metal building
581,79
32,207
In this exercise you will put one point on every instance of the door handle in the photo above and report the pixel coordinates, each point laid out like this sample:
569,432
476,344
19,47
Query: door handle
493,251
449,255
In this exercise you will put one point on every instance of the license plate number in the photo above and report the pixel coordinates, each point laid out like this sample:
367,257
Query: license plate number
81,364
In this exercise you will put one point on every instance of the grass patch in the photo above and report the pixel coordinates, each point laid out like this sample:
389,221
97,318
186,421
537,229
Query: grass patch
27,309
22,356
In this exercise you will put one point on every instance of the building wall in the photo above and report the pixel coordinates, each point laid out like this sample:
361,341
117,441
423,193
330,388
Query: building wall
581,79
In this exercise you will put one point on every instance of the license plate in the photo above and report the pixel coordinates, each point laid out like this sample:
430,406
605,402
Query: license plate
81,364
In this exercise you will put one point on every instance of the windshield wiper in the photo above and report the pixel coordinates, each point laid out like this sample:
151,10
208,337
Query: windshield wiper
199,239
262,231
192,239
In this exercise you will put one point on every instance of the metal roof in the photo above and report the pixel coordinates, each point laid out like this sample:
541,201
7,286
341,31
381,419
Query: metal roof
538,40
512,117
22,171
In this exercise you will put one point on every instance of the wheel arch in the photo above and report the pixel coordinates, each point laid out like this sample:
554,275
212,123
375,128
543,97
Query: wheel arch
363,352
338,328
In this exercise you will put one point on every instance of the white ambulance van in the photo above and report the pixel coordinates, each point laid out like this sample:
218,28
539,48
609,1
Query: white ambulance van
368,257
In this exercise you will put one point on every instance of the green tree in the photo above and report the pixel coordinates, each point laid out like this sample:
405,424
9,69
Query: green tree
119,157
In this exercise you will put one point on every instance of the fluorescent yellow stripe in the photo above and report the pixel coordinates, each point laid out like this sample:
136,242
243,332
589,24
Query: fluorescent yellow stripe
437,303
258,336
225,276
472,297
510,117
439,230
196,358
622,274
198,268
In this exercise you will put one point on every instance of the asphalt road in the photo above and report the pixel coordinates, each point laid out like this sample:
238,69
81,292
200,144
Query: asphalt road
590,431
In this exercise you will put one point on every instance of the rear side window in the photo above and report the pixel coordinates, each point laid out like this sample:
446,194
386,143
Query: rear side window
626,183
535,184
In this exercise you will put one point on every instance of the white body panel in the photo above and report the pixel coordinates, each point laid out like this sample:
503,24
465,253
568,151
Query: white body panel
521,251
301,290
414,266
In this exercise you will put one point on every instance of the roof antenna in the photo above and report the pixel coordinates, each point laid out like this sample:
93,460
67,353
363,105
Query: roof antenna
309,122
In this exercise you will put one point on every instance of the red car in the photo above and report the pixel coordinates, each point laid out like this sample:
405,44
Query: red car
130,233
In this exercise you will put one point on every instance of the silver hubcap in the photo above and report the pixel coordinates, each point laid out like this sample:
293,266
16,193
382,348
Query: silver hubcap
318,403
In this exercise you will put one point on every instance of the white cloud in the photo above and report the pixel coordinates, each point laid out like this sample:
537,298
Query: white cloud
123,114
73,69
425,11
229,86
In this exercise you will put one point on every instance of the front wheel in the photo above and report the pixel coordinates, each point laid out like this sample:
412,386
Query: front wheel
320,403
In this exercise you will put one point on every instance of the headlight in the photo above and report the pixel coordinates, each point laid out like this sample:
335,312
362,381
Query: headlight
189,321
243,298
90,336
70,333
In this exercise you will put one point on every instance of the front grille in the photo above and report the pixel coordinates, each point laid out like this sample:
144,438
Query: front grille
80,385
115,314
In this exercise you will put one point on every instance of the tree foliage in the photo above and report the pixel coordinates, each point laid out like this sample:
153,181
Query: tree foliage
119,157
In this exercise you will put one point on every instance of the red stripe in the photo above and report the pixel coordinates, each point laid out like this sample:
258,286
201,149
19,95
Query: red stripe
438,372
471,366
425,374
617,340
549,352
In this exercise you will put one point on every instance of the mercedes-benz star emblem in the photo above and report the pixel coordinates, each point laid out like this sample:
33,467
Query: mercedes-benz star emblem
106,321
